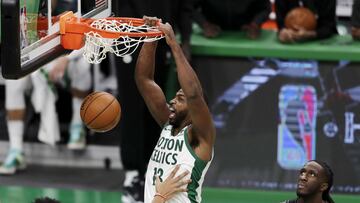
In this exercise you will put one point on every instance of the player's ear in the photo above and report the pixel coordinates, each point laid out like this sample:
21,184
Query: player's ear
324,187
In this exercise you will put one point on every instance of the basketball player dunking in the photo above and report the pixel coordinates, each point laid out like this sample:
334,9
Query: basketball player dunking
188,134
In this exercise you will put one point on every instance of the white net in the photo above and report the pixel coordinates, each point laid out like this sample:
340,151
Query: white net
96,46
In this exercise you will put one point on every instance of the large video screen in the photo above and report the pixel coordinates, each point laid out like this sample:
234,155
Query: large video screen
272,115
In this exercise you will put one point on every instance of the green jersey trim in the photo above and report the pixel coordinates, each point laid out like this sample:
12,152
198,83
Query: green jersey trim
166,124
191,150
196,172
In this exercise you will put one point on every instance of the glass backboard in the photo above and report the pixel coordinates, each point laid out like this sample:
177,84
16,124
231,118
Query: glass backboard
30,31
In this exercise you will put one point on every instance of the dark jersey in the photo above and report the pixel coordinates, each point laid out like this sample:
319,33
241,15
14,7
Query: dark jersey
293,201
289,201
355,18
232,14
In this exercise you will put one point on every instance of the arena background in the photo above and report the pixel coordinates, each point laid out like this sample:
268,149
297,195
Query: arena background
247,147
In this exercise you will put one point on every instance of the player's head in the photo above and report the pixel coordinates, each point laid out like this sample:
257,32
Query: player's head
315,178
178,109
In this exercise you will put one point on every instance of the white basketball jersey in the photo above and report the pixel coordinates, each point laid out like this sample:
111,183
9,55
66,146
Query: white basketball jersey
169,152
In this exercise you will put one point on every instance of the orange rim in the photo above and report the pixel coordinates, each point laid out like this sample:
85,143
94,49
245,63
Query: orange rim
69,23
133,21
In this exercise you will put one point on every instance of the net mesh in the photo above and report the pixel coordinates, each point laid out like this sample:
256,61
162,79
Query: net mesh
96,46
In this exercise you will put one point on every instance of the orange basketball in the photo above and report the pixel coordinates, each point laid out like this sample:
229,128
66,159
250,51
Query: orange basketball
100,111
301,17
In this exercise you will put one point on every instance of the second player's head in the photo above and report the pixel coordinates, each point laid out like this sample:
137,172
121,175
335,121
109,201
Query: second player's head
315,179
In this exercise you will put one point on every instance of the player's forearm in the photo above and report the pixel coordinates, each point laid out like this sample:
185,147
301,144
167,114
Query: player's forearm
145,65
188,80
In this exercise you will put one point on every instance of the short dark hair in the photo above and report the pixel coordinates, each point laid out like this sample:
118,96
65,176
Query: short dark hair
329,178
45,200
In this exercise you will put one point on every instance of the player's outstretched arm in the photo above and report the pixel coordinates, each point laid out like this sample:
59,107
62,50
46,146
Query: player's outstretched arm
150,91
202,127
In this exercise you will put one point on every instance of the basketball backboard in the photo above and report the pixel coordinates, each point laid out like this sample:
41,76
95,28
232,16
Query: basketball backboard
30,34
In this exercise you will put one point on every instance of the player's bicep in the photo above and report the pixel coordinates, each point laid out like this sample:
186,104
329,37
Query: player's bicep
202,123
155,101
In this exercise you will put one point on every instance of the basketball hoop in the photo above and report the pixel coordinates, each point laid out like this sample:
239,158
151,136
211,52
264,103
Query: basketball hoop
117,35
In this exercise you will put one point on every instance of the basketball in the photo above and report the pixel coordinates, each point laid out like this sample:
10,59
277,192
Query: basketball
100,111
301,17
